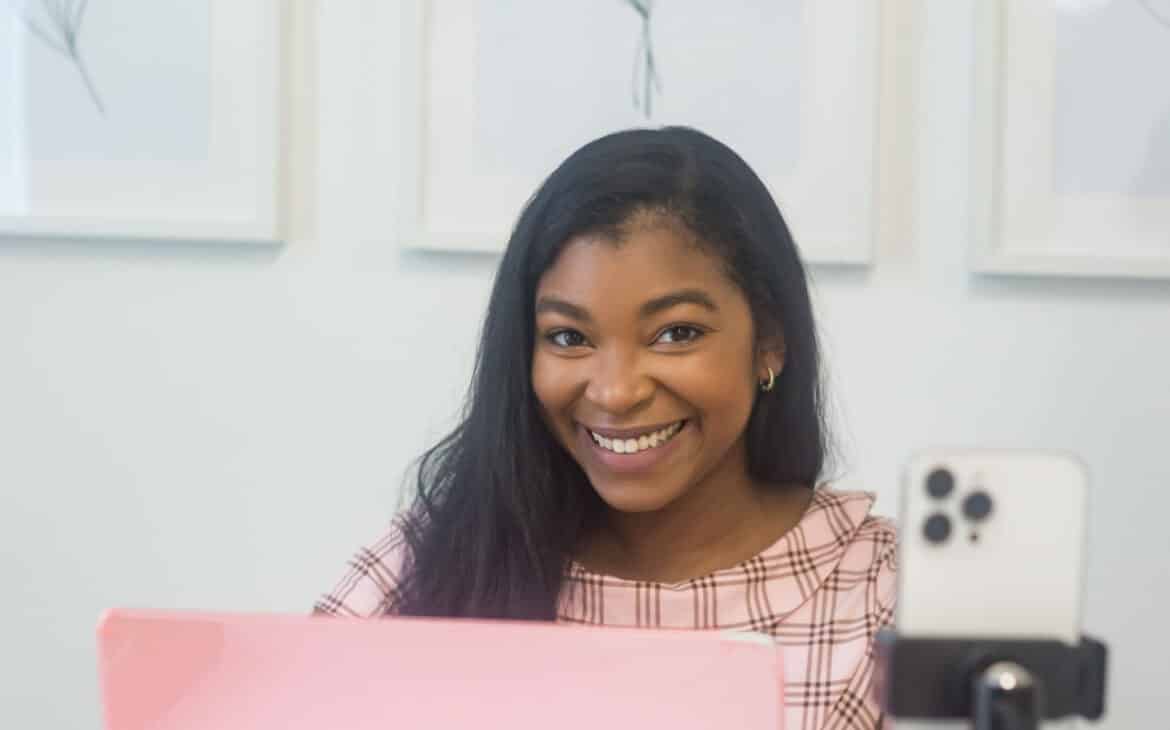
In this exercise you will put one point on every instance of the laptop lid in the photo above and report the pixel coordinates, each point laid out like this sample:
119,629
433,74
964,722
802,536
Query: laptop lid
187,671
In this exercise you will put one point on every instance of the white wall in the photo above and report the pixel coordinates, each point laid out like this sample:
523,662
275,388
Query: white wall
188,426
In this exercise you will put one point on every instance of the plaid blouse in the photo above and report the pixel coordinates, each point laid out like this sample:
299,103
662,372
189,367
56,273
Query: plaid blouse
822,591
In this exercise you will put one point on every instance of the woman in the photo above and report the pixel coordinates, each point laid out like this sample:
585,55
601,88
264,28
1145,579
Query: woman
644,434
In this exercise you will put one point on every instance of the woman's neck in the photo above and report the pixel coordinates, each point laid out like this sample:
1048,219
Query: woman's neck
719,523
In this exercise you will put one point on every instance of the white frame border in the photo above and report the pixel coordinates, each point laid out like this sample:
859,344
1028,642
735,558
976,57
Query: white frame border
415,234
266,226
987,118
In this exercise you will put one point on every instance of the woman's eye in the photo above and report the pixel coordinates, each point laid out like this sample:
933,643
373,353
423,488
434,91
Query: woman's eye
680,333
566,338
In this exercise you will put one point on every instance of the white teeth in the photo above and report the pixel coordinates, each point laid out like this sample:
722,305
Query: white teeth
634,445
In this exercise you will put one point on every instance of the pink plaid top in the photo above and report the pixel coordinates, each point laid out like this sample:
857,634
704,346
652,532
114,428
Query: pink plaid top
822,591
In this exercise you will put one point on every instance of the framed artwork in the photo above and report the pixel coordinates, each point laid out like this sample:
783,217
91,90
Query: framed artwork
154,119
1071,158
498,92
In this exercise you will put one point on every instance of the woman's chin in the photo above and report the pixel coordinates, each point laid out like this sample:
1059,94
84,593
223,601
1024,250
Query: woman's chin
634,497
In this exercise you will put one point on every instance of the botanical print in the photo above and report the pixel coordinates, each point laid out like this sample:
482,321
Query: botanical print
646,80
549,76
1161,17
58,25
107,80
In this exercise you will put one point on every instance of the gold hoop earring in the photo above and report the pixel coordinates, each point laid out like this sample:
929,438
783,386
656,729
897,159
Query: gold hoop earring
767,387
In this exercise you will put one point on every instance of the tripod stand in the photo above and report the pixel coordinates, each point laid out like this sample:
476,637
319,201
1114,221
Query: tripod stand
998,684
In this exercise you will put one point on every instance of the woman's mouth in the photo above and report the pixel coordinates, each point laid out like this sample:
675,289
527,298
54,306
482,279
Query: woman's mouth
641,442
633,452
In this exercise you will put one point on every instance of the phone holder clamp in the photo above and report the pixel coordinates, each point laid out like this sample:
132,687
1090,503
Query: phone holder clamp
999,684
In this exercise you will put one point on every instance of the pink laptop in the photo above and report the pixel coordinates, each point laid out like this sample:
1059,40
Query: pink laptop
196,671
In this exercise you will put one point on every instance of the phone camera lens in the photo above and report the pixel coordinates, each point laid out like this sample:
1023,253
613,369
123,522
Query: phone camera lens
937,528
977,505
940,483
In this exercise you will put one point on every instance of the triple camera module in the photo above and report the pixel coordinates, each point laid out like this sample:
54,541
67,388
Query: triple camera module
976,507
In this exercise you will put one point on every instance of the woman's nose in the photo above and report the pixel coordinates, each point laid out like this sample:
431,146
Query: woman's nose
617,384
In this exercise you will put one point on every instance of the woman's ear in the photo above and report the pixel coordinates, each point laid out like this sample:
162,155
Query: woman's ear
770,354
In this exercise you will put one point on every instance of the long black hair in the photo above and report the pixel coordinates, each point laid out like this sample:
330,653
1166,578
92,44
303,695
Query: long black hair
500,504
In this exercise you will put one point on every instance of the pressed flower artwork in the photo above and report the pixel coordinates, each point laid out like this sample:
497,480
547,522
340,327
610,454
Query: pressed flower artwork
646,82
550,75
1161,15
140,119
58,26
107,79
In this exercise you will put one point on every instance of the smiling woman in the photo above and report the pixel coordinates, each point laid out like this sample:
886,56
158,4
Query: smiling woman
656,343
644,436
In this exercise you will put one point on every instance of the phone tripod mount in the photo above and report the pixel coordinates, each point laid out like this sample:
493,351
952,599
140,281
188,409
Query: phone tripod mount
1008,684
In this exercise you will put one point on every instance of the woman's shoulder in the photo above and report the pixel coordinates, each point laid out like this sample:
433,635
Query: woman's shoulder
834,588
864,544
369,586
847,516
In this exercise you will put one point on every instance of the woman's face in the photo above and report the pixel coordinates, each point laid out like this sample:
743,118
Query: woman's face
645,365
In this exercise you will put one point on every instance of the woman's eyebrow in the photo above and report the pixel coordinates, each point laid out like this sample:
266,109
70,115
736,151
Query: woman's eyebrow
649,309
673,299
560,306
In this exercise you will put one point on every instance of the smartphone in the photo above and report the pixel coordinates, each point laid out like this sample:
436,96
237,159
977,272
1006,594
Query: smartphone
991,545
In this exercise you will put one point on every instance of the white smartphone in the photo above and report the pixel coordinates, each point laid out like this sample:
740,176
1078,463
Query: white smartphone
991,545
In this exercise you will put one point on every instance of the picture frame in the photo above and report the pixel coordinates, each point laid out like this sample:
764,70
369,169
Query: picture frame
167,127
1068,178
474,148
